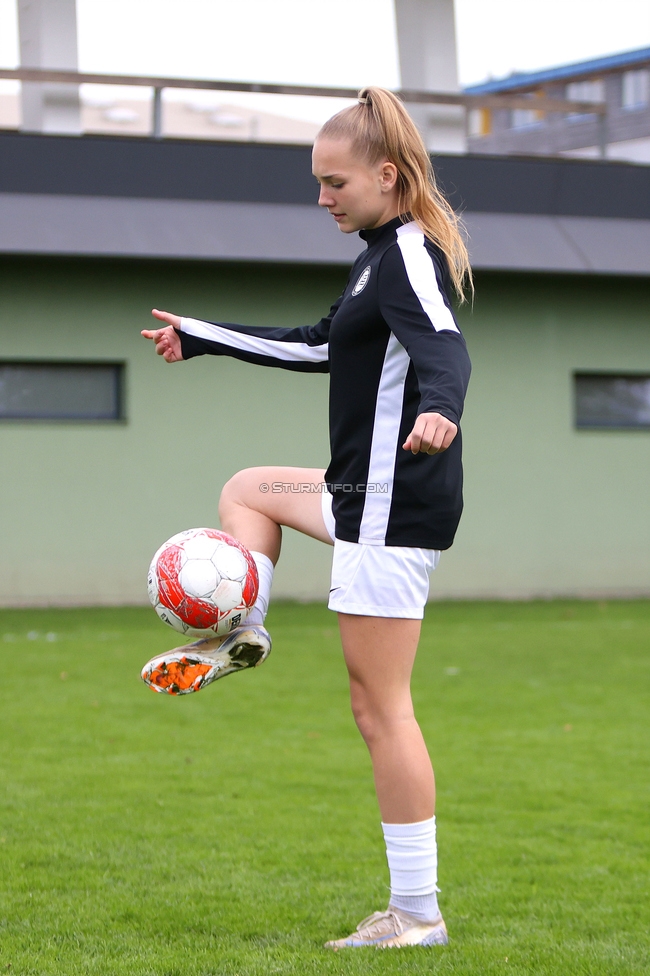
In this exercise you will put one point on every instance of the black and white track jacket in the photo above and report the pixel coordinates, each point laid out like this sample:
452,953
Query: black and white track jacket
393,350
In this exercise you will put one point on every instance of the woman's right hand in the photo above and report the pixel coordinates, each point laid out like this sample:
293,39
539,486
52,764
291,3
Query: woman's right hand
166,340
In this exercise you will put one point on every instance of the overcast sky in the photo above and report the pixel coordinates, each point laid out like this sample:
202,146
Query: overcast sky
307,41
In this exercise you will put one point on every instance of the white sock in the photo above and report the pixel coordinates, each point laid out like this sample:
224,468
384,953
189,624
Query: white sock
413,864
265,572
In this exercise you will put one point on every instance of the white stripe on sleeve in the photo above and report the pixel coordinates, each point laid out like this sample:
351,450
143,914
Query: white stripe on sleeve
422,276
290,352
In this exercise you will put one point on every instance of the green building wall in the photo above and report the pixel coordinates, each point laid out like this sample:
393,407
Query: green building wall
549,510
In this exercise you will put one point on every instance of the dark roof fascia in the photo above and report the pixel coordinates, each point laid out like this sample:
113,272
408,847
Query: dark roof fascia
548,186
176,169
171,169
526,80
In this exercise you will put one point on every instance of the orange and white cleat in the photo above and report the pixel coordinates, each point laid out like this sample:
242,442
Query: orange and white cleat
190,668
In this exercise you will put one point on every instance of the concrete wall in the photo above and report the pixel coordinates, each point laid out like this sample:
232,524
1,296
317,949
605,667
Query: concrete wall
549,510
84,506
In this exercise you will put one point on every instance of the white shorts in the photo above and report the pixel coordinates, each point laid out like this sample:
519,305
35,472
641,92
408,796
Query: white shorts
378,581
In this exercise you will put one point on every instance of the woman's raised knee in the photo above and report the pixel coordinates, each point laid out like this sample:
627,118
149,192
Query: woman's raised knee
241,488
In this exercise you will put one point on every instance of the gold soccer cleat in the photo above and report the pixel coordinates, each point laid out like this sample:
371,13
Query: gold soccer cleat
393,929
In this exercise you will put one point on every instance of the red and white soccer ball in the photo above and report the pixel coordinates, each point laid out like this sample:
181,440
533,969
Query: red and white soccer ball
202,582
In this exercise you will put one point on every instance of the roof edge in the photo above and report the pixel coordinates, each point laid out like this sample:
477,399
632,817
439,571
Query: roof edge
578,69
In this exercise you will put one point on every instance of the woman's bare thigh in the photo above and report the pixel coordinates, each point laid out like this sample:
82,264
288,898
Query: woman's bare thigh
285,495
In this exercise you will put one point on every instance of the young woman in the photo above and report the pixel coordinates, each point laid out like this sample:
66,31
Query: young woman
398,374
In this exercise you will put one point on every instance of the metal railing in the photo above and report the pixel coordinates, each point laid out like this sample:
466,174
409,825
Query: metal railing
159,84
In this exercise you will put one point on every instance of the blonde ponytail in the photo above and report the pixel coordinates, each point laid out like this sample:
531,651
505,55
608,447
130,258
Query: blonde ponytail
379,127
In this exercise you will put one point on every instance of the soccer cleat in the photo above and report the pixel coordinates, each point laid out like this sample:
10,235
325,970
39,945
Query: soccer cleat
393,929
190,668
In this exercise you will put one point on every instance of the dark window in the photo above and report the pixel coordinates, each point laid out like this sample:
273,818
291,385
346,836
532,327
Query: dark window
612,400
61,391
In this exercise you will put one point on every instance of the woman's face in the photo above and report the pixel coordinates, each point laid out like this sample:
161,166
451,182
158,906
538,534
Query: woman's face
356,194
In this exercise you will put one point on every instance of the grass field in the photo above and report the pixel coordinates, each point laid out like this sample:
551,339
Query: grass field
233,831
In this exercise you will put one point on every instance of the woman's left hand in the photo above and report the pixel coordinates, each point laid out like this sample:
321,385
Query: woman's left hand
431,434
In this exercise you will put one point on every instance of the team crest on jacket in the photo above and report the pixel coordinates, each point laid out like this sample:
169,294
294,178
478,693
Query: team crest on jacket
362,281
